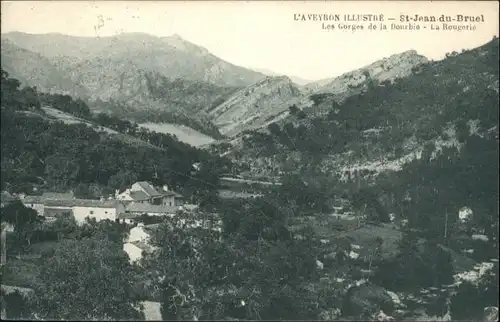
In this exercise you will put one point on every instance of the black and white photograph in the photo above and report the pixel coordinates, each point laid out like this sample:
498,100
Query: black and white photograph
249,160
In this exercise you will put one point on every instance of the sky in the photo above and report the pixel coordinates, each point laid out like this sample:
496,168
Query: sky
263,34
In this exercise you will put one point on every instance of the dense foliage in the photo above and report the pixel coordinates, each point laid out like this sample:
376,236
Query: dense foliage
39,152
453,89
257,266
74,287
253,269
82,271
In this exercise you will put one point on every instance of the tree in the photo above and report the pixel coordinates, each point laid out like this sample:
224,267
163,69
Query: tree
319,98
253,270
293,109
274,129
65,226
471,298
86,279
367,201
20,307
122,180
301,115
30,97
462,130
24,220
112,231
61,170
10,91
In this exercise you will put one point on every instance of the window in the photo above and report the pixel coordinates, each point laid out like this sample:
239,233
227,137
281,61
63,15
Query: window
105,212
91,212
170,203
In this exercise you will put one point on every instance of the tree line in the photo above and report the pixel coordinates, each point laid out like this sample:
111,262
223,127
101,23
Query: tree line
42,153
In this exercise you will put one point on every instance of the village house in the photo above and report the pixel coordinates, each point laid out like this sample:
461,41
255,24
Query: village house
138,240
79,208
144,192
35,202
136,210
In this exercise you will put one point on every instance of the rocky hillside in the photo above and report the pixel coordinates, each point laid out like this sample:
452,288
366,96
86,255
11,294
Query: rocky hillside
355,82
395,66
297,80
172,56
145,96
267,101
257,105
33,69
137,76
388,124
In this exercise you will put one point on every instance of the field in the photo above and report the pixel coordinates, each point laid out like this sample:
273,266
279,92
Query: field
183,133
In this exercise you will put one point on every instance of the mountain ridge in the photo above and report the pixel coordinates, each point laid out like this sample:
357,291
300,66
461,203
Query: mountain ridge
174,56
253,106
388,68
389,121
339,88
297,80
128,72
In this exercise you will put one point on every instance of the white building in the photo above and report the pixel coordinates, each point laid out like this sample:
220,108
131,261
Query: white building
134,252
100,210
79,208
144,192
138,241
136,210
464,214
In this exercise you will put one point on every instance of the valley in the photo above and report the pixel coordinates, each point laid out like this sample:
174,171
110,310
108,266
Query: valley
194,189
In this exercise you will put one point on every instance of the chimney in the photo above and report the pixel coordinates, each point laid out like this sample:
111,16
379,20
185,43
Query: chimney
165,187
102,199
117,192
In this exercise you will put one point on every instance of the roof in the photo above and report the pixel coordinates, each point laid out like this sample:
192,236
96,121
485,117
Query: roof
148,188
58,196
84,203
71,202
172,193
167,193
6,197
33,199
139,195
146,208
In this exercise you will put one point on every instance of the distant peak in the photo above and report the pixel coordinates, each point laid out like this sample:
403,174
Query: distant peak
176,37
407,53
274,80
180,43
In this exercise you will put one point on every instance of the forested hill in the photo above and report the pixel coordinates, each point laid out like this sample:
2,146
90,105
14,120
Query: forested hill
391,119
422,147
124,79
45,154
